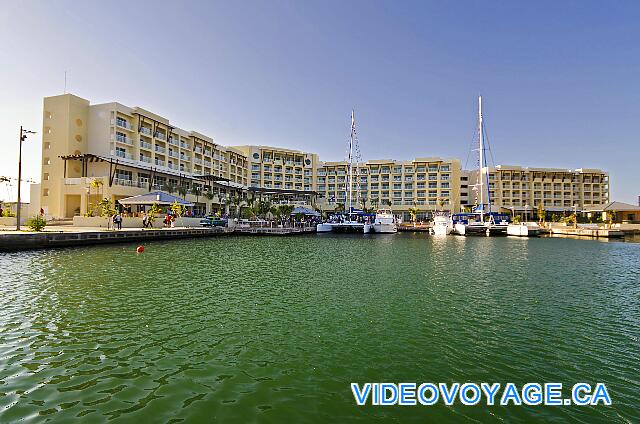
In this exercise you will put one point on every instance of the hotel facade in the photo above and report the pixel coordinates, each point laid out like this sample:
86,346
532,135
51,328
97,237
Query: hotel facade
113,151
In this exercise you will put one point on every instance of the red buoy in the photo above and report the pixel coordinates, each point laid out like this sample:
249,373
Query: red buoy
140,249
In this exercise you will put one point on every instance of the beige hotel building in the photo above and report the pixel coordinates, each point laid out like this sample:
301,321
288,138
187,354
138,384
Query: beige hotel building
115,151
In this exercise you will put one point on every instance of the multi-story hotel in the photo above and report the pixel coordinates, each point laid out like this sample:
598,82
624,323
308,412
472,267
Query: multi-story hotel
115,151
520,189
426,184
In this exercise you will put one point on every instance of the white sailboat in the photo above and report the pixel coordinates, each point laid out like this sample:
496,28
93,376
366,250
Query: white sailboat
482,221
347,222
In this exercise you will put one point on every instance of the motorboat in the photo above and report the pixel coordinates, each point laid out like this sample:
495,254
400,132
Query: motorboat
441,225
524,229
384,223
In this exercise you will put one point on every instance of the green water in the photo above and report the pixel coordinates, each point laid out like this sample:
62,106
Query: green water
246,329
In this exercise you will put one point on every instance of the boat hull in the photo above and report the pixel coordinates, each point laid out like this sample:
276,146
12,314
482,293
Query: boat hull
384,228
521,230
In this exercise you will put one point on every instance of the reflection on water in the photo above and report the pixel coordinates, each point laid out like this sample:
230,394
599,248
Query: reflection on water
255,329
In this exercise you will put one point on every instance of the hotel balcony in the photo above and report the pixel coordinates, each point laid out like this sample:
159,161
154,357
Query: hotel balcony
174,142
130,183
173,154
160,149
184,145
145,159
160,136
124,124
160,162
145,145
123,139
121,154
186,158
198,150
145,130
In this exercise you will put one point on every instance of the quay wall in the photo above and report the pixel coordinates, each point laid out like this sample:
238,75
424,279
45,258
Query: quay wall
26,241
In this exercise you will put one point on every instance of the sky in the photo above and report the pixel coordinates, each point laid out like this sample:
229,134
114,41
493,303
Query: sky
559,80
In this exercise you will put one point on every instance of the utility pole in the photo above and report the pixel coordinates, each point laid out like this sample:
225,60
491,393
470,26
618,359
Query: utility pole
23,136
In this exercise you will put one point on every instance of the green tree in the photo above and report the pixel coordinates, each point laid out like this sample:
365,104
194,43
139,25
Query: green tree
541,213
153,212
177,209
37,223
413,211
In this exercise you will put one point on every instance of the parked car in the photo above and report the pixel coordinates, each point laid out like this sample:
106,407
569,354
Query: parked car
213,221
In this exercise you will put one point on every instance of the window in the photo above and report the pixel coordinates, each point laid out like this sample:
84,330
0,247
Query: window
45,192
45,176
46,161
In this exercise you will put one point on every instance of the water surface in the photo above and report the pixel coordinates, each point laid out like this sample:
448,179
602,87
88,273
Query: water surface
242,329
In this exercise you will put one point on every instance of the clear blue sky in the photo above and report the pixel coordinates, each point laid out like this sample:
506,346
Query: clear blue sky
560,80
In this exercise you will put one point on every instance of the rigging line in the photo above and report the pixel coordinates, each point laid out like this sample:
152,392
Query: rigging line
486,136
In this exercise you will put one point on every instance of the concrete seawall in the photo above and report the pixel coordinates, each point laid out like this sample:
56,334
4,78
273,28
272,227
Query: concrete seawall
24,241
13,241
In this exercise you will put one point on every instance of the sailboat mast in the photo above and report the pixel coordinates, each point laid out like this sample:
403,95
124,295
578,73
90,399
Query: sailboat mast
481,152
353,129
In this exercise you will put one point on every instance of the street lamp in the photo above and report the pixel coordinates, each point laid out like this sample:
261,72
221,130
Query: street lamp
23,136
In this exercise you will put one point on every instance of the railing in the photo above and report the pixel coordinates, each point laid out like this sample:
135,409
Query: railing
124,124
173,154
184,145
145,159
197,161
160,162
145,130
185,157
129,183
198,149
173,142
145,145
160,136
124,139
120,154
160,149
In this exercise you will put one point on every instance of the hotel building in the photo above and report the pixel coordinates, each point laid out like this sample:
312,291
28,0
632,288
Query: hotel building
519,189
110,150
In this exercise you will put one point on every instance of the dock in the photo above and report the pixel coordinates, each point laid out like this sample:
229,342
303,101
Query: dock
587,232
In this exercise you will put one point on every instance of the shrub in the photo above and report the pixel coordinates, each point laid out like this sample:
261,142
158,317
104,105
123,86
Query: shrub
37,223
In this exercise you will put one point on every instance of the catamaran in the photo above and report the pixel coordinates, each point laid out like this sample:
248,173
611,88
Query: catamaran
482,220
353,220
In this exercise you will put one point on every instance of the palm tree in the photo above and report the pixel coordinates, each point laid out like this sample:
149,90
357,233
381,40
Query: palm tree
339,207
196,191
182,191
413,212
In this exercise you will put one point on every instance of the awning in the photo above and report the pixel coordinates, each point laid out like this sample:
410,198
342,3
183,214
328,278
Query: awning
304,211
155,197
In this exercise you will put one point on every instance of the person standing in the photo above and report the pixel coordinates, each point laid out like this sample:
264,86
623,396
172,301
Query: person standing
118,220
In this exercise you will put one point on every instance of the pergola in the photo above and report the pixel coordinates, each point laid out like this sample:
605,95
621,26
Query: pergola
159,198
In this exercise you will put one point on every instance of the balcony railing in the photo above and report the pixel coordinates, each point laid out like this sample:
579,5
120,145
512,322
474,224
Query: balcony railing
121,154
145,159
185,157
145,130
145,145
160,136
124,124
173,142
160,149
123,139
173,154
129,182
160,162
